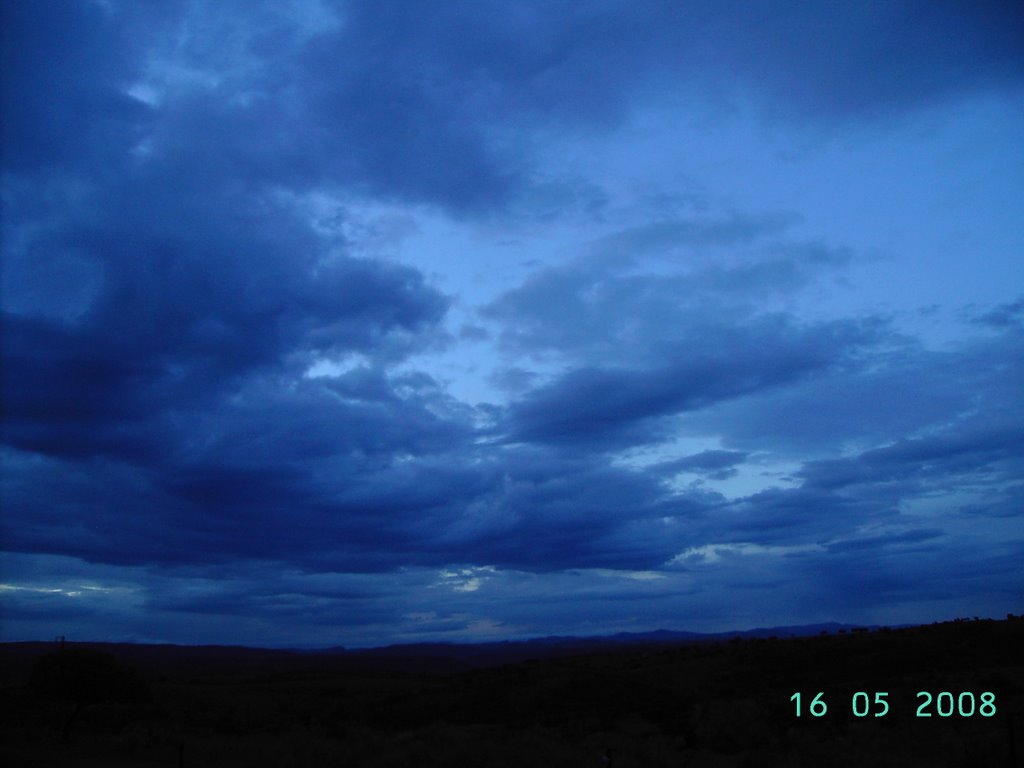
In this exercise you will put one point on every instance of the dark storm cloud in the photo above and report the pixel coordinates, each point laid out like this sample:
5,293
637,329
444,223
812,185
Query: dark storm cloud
1004,316
274,600
901,388
62,93
904,571
430,103
612,304
299,474
973,469
278,489
965,466
870,59
716,465
533,515
572,64
160,306
924,460
900,540
181,318
790,516
617,406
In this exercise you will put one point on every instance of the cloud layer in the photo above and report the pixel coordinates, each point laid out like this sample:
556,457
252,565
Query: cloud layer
217,402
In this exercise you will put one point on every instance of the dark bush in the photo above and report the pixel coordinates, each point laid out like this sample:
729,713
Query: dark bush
86,677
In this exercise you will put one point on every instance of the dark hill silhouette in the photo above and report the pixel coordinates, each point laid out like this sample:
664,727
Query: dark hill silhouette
428,657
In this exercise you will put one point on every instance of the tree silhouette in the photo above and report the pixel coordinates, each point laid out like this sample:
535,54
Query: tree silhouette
86,677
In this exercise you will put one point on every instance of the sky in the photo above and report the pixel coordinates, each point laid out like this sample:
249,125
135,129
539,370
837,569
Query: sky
370,322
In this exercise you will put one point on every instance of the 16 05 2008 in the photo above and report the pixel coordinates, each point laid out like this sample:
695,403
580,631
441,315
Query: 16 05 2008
876,704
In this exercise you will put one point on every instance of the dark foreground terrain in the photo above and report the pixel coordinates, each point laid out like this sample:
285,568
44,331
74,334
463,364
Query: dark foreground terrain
645,703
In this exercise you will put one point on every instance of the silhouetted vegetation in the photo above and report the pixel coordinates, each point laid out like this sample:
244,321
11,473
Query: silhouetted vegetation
85,677
646,704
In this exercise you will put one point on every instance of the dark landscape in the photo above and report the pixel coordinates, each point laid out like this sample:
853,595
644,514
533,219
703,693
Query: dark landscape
649,700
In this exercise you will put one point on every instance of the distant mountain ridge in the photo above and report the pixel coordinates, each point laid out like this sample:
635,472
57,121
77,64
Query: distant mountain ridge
508,651
657,635
439,657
